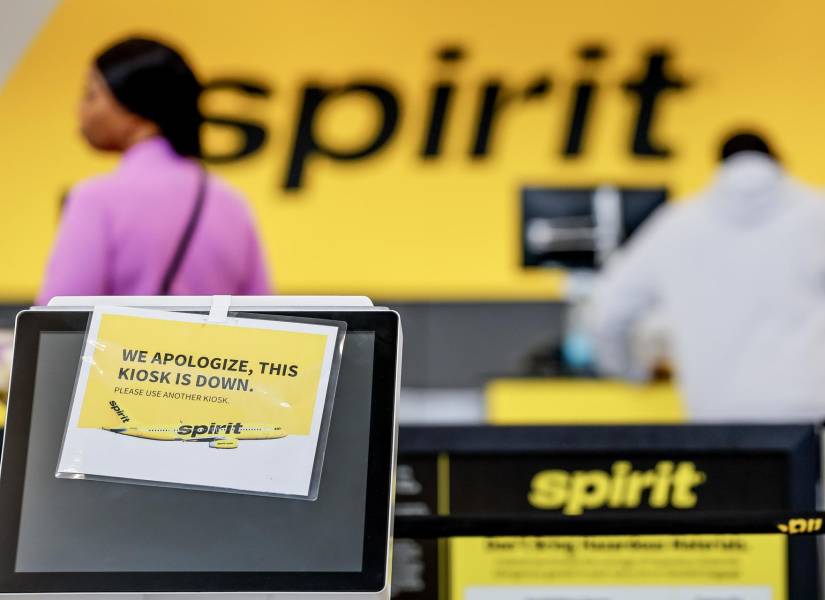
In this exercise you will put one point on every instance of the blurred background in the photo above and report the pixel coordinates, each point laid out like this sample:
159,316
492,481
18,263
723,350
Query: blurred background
461,192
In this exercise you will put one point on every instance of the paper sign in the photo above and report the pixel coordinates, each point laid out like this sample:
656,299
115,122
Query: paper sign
174,399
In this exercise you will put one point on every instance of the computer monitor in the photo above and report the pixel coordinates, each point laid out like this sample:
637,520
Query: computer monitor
579,228
72,536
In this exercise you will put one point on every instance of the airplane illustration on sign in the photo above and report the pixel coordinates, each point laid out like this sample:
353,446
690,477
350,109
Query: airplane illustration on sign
223,436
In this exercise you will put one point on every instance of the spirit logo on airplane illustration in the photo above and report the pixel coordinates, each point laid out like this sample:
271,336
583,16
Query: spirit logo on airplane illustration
224,436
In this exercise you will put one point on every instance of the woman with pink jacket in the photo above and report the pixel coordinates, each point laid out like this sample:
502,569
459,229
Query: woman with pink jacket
158,224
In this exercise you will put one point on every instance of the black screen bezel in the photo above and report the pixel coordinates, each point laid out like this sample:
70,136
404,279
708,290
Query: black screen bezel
371,578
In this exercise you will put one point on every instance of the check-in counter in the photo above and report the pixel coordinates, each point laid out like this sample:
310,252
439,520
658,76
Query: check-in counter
547,400
607,470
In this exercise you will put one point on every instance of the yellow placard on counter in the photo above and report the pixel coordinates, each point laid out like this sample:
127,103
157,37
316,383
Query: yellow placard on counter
558,400
746,567
152,384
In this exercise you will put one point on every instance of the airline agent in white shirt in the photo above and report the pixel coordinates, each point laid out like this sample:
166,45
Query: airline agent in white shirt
739,272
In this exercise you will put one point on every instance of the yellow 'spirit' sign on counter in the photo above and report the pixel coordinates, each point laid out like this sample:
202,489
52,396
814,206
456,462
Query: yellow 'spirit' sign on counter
166,377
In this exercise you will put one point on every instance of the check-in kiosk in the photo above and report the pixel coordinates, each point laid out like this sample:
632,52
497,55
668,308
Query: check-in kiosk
118,539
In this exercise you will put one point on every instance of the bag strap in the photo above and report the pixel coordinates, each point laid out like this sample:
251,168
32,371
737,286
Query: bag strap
186,238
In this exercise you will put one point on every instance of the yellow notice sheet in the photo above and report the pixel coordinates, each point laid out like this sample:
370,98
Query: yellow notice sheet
686,567
175,399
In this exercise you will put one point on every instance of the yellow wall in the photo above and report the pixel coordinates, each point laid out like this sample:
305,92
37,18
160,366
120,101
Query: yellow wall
393,225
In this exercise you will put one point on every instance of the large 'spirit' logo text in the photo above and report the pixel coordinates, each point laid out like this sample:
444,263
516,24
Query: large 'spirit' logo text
493,97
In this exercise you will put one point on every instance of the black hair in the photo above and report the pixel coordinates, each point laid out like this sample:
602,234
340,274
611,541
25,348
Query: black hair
745,141
152,80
